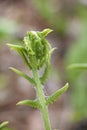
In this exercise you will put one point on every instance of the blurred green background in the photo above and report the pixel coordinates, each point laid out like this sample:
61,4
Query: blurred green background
68,19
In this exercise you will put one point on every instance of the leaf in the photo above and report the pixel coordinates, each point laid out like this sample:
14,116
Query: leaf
22,51
45,32
78,66
3,124
54,96
15,47
52,50
31,103
19,49
23,75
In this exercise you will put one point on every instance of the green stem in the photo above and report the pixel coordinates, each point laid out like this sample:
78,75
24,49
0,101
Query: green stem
44,109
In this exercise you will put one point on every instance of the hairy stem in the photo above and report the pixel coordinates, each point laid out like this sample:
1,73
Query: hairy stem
42,101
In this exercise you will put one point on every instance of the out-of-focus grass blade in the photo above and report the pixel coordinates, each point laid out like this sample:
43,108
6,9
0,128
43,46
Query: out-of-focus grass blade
78,66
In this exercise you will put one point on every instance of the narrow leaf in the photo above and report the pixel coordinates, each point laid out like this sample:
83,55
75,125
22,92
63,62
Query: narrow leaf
52,50
22,51
54,96
23,75
3,124
78,66
31,103
24,55
15,47
45,32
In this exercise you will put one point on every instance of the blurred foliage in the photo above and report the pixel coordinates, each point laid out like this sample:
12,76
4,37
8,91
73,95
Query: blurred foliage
7,128
8,28
48,10
77,53
3,126
3,81
81,66
59,13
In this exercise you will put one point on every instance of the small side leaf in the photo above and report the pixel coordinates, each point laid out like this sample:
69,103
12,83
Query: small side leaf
78,66
22,51
31,103
3,124
16,47
52,50
23,75
54,96
45,32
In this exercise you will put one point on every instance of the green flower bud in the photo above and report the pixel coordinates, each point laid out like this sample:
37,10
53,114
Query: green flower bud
38,49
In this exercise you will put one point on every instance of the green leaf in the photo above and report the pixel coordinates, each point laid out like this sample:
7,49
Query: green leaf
3,124
54,96
31,103
15,47
52,50
45,32
22,51
78,66
23,75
